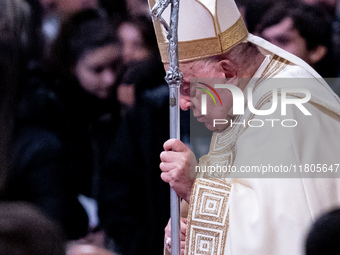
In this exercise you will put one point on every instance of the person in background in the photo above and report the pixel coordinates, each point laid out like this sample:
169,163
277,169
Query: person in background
32,155
22,21
86,249
323,236
137,7
327,5
302,30
9,98
253,10
333,8
25,230
56,11
48,6
115,9
133,201
69,7
144,70
86,61
138,39
130,180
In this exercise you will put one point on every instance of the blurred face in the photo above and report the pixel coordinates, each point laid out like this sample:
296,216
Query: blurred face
48,6
133,45
191,96
71,6
285,36
98,69
137,7
327,2
126,94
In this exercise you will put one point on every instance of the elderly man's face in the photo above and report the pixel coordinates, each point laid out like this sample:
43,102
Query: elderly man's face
191,96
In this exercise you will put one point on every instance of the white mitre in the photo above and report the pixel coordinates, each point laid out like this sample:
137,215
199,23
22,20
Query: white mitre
204,29
209,28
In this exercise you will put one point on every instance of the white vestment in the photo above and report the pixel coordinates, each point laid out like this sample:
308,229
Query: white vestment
268,216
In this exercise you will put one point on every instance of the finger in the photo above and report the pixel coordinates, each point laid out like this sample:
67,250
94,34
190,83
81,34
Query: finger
166,167
167,230
168,244
183,228
162,156
182,237
168,241
169,249
165,176
169,156
167,233
174,145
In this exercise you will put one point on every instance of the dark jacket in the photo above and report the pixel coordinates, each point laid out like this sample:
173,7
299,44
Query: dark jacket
41,175
133,200
42,166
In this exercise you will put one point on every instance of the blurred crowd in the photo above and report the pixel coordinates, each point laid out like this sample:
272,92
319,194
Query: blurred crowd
84,115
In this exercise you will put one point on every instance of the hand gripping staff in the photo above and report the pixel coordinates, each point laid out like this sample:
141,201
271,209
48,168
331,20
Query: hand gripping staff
173,78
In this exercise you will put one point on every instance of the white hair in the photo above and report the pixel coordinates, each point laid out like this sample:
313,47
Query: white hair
239,55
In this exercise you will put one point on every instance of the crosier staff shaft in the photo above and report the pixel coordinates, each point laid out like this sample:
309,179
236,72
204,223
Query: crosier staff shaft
174,79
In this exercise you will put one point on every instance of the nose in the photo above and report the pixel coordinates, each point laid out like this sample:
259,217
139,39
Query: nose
128,52
109,77
86,4
184,103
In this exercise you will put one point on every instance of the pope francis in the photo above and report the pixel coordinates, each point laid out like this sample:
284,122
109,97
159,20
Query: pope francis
231,213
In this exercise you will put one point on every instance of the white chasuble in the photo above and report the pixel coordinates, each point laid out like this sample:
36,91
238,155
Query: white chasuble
250,216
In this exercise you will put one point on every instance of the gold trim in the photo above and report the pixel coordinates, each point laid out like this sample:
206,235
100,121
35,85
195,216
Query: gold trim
233,35
190,50
207,47
216,15
276,65
198,226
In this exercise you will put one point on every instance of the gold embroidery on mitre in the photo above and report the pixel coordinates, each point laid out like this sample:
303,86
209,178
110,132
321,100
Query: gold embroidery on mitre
206,47
233,35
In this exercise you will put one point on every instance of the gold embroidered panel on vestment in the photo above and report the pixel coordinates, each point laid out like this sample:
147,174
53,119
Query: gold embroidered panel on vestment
206,226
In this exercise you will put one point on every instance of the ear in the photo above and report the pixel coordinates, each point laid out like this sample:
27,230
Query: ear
228,68
317,54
